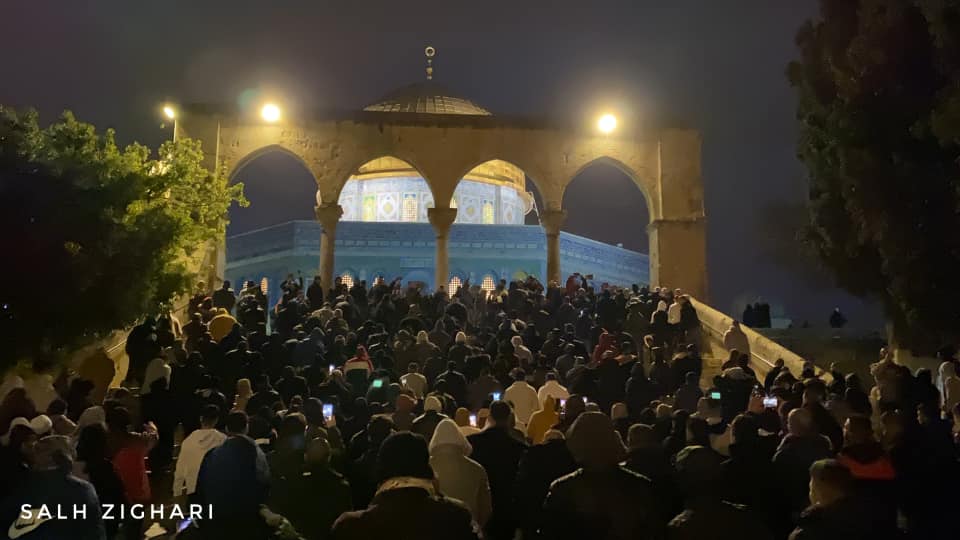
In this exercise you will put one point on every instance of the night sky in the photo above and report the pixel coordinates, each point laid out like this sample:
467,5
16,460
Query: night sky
716,66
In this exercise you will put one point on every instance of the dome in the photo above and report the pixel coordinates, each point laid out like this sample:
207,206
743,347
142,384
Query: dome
426,98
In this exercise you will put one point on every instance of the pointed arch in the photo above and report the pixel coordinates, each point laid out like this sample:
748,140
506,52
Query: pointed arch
647,188
363,199
234,168
505,173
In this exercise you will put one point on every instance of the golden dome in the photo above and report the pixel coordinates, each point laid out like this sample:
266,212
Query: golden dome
426,98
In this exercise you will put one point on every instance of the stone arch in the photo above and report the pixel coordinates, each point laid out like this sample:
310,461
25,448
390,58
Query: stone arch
539,181
279,186
235,166
355,169
475,164
647,186
366,157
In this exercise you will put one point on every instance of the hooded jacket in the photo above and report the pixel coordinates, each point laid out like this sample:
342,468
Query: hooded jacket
459,477
192,451
542,420
602,499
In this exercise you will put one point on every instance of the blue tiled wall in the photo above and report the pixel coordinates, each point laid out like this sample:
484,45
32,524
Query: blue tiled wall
366,250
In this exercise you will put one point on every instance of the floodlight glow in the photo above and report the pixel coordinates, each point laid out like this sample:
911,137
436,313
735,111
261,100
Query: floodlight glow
270,112
607,123
169,112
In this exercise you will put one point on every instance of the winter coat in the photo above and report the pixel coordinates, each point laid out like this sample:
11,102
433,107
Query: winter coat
792,463
850,518
499,453
407,513
605,503
717,520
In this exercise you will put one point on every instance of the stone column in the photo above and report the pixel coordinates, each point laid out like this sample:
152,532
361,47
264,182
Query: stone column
678,255
551,221
442,219
328,215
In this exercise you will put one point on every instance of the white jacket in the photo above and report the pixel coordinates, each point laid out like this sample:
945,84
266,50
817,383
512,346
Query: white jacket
553,389
524,400
459,477
192,450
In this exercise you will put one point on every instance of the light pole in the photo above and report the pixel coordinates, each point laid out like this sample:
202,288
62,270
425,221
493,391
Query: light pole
170,112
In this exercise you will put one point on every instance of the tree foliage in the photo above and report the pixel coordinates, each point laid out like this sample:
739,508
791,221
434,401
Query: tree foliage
879,113
97,235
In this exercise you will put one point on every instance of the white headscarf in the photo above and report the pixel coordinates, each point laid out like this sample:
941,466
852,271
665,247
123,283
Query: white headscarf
448,433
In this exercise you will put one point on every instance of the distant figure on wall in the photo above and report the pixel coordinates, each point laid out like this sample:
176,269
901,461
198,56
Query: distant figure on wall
837,320
735,338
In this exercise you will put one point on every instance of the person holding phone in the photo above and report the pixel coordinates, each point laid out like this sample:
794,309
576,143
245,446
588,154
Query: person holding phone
499,452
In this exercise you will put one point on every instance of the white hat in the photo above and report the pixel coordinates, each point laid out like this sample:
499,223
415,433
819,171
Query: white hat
432,404
41,425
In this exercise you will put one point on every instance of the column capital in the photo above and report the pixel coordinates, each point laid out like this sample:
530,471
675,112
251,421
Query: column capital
328,215
552,220
441,219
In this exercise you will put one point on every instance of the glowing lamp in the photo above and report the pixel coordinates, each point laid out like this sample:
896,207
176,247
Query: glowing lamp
270,112
607,123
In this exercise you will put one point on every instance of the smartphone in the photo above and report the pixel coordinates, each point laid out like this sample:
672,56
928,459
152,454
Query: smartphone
496,396
328,410
584,400
770,402
715,395
182,526
473,420
331,368
377,383
563,403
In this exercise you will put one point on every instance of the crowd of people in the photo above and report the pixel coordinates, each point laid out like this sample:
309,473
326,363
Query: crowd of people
525,411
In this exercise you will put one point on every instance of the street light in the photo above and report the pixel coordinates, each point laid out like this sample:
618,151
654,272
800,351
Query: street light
270,112
169,112
607,123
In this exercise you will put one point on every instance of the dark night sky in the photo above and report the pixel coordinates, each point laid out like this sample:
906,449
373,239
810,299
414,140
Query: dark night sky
717,66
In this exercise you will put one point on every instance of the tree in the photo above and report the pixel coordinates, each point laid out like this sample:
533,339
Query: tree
97,236
879,114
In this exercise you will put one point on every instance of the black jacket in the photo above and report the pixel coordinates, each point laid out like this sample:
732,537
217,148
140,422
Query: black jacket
500,454
611,503
792,467
847,519
540,466
407,513
717,520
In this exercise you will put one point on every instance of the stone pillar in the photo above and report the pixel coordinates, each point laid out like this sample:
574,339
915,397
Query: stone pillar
442,219
328,215
551,221
678,255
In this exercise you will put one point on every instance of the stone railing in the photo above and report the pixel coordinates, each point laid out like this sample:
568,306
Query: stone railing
764,352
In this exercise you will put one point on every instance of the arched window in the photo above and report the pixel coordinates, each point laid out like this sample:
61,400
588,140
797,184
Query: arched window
454,286
409,209
488,284
265,286
487,216
346,279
